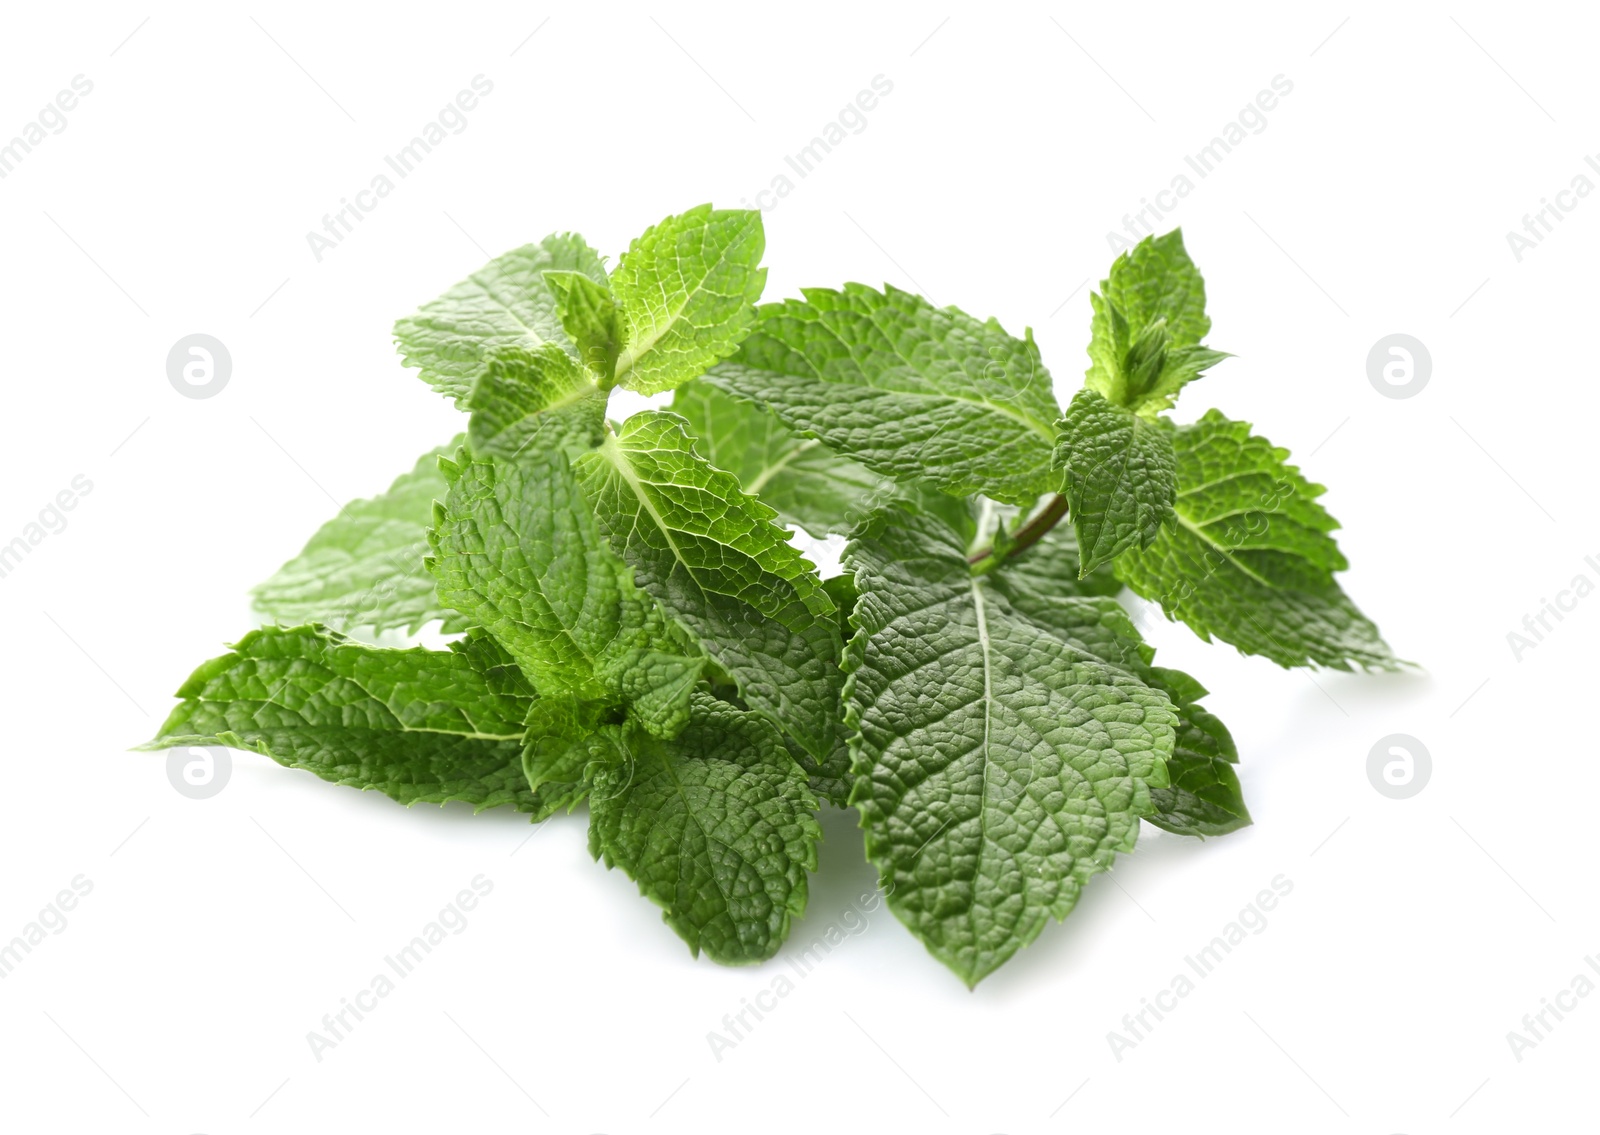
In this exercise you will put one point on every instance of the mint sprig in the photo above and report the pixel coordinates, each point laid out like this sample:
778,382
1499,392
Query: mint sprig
642,634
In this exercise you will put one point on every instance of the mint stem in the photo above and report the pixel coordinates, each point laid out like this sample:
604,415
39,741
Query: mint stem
1028,535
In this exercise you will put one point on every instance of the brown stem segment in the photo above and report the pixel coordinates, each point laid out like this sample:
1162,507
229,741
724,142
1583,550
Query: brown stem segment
1030,533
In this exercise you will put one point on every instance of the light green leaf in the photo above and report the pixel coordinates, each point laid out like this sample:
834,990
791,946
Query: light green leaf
364,568
1250,559
806,482
685,295
1149,318
417,725
907,389
1121,476
589,317
540,399
999,762
713,559
517,548
507,302
716,827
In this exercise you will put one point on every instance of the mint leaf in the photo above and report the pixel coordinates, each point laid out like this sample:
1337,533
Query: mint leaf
364,568
1203,797
905,388
507,302
1250,559
540,399
716,827
417,725
1000,764
807,483
589,317
1149,318
517,548
1121,477
685,295
712,557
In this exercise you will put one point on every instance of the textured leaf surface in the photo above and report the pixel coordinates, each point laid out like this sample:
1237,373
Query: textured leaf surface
1053,566
364,568
507,302
807,483
1250,559
717,827
1149,319
1204,797
712,557
417,725
589,316
685,294
540,400
905,388
1121,477
518,549
1000,763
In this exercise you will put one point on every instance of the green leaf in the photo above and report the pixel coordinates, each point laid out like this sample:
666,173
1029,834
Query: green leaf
716,827
713,559
517,548
1121,476
685,295
507,302
999,762
1149,318
905,388
364,568
589,317
1204,797
1157,280
540,399
1250,559
417,725
806,482
1052,566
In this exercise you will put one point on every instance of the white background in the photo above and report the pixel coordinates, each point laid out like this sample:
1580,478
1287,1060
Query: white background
1378,198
